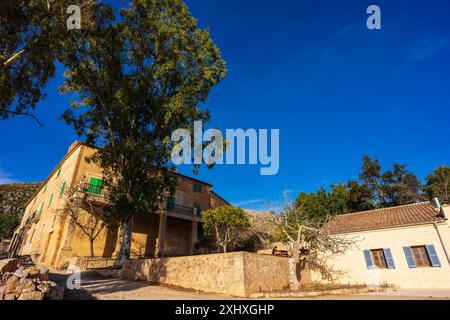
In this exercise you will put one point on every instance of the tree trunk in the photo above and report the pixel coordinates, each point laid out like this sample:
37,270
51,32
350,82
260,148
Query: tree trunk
92,247
293,263
125,244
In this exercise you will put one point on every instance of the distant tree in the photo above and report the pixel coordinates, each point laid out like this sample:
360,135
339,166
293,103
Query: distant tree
31,37
225,223
319,205
137,80
394,187
438,185
359,197
8,222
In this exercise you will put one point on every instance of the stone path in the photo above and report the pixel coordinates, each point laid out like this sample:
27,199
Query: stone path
95,287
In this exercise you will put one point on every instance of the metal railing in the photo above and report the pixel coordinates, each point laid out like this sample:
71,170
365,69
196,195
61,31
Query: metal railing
187,211
92,189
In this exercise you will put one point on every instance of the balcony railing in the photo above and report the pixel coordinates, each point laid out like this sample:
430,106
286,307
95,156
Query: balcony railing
93,189
187,211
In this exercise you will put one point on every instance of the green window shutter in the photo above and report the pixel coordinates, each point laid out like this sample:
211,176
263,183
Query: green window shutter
40,209
58,173
51,199
45,188
95,186
62,189
170,205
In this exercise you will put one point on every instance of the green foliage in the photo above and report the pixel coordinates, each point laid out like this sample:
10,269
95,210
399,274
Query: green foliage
394,187
32,33
8,222
137,79
225,223
438,185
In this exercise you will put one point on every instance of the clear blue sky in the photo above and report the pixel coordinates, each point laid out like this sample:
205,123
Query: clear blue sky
310,68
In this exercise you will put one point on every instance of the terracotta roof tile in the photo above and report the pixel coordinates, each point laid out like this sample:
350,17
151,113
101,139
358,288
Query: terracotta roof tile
416,213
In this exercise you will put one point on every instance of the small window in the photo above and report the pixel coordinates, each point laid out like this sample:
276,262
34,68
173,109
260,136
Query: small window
51,199
63,187
198,208
45,188
170,205
421,256
58,173
95,186
198,187
378,258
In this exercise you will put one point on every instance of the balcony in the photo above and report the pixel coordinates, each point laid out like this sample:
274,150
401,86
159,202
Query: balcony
92,189
182,210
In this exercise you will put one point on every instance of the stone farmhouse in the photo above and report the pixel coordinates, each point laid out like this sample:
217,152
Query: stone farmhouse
54,239
406,246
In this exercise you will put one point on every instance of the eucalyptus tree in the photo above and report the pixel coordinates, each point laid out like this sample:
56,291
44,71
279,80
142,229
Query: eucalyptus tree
137,79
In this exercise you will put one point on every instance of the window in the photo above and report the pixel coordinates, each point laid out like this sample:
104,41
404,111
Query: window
198,208
62,189
422,256
51,199
198,187
58,173
379,259
170,205
95,186
45,188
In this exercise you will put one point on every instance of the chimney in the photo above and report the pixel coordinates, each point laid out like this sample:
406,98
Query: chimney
437,203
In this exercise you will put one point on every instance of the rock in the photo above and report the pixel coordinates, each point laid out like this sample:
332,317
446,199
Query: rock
56,293
21,273
8,265
6,276
33,272
2,292
25,286
11,285
45,289
9,296
35,295
43,272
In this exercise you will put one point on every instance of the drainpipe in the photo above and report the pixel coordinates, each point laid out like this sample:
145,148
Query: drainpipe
442,242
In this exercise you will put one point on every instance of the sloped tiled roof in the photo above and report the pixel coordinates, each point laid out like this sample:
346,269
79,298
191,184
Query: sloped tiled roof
418,213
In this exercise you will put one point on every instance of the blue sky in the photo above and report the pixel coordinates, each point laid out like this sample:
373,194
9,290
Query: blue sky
313,70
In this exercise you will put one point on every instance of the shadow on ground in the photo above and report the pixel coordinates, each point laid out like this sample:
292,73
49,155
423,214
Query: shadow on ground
93,285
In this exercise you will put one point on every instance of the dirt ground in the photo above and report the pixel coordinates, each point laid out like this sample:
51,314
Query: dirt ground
95,287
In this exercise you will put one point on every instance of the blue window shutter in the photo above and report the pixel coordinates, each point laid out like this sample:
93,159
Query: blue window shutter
409,257
389,258
368,258
433,256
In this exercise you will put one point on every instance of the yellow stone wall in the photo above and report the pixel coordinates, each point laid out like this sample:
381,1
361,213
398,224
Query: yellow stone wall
54,239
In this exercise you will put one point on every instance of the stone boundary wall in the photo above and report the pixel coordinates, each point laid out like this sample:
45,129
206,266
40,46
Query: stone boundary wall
238,274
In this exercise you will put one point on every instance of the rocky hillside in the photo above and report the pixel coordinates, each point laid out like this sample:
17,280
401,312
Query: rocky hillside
13,197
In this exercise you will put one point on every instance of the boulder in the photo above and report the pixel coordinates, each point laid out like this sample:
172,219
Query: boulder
6,276
11,284
21,273
45,289
8,265
2,292
35,295
25,286
9,296
43,272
